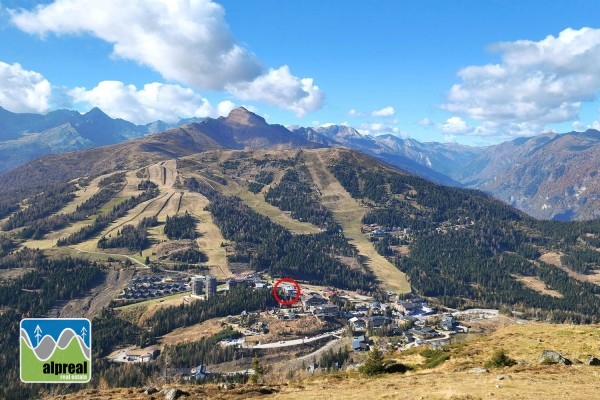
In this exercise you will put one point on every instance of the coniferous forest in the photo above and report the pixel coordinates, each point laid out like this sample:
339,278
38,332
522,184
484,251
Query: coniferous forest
468,249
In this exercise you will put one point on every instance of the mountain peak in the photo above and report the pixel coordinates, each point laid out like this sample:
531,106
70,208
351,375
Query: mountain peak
97,113
241,116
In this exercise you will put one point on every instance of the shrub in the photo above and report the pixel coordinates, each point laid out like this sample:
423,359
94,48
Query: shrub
433,358
500,359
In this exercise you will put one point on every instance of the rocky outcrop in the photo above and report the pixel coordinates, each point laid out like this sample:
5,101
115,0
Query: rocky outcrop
593,361
552,357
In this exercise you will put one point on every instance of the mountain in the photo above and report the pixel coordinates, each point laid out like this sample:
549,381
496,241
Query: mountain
406,154
550,176
180,201
24,136
330,216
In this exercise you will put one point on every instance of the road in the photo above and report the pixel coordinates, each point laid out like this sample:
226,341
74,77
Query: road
296,342
112,255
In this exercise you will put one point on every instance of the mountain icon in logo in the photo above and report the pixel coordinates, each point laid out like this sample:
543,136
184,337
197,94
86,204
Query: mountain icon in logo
55,350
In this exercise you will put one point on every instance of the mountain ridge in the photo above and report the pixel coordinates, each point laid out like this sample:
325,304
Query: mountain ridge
550,176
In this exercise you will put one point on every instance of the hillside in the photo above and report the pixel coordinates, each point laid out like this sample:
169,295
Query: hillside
454,379
461,246
179,203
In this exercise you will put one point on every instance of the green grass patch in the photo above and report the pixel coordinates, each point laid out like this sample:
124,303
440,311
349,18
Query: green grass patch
434,357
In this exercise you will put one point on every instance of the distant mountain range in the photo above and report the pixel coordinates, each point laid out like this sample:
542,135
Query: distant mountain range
551,176
26,136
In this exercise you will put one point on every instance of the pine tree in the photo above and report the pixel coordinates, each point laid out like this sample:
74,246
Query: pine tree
374,363
257,375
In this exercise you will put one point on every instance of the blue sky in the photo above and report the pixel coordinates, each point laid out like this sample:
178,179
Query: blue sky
474,72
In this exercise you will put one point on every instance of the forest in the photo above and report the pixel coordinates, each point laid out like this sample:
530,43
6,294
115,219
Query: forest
32,295
180,227
134,238
110,186
469,249
296,194
268,246
235,301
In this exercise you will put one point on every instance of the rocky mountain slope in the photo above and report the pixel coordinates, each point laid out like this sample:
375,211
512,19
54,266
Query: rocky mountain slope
551,176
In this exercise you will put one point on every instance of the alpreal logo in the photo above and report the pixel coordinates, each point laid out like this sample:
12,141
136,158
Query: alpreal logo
56,350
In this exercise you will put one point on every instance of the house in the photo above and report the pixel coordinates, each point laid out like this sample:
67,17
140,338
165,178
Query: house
447,322
327,310
312,301
358,324
377,321
406,307
360,343
424,333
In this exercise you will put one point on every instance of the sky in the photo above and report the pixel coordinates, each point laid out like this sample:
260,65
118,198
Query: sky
466,71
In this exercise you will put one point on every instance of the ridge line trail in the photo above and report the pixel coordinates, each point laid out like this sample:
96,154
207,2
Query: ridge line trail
348,212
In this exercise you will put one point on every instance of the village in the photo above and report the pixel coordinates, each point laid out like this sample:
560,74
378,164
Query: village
395,323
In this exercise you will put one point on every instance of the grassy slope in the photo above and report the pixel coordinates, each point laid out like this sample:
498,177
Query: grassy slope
453,379
348,212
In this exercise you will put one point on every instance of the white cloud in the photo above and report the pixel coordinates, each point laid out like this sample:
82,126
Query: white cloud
280,88
384,112
425,122
187,41
22,90
376,128
455,125
354,113
153,102
449,138
537,83
224,108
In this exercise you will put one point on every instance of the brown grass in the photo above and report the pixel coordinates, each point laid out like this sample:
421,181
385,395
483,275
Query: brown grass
554,259
452,380
538,285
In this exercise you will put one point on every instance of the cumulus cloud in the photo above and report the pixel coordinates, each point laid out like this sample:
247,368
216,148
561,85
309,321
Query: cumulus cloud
224,108
384,112
153,102
185,41
280,88
455,125
425,122
354,113
22,90
537,83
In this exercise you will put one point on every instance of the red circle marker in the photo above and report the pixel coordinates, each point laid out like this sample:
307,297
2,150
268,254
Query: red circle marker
290,302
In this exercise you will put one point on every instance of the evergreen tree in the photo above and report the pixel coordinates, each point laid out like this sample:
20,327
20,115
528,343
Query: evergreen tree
258,369
374,363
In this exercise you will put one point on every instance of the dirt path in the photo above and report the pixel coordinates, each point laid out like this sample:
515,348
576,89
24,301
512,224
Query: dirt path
349,213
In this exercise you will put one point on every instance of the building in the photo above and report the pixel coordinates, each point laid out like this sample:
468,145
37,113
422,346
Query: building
198,285
210,286
311,301
447,322
327,310
360,343
231,283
